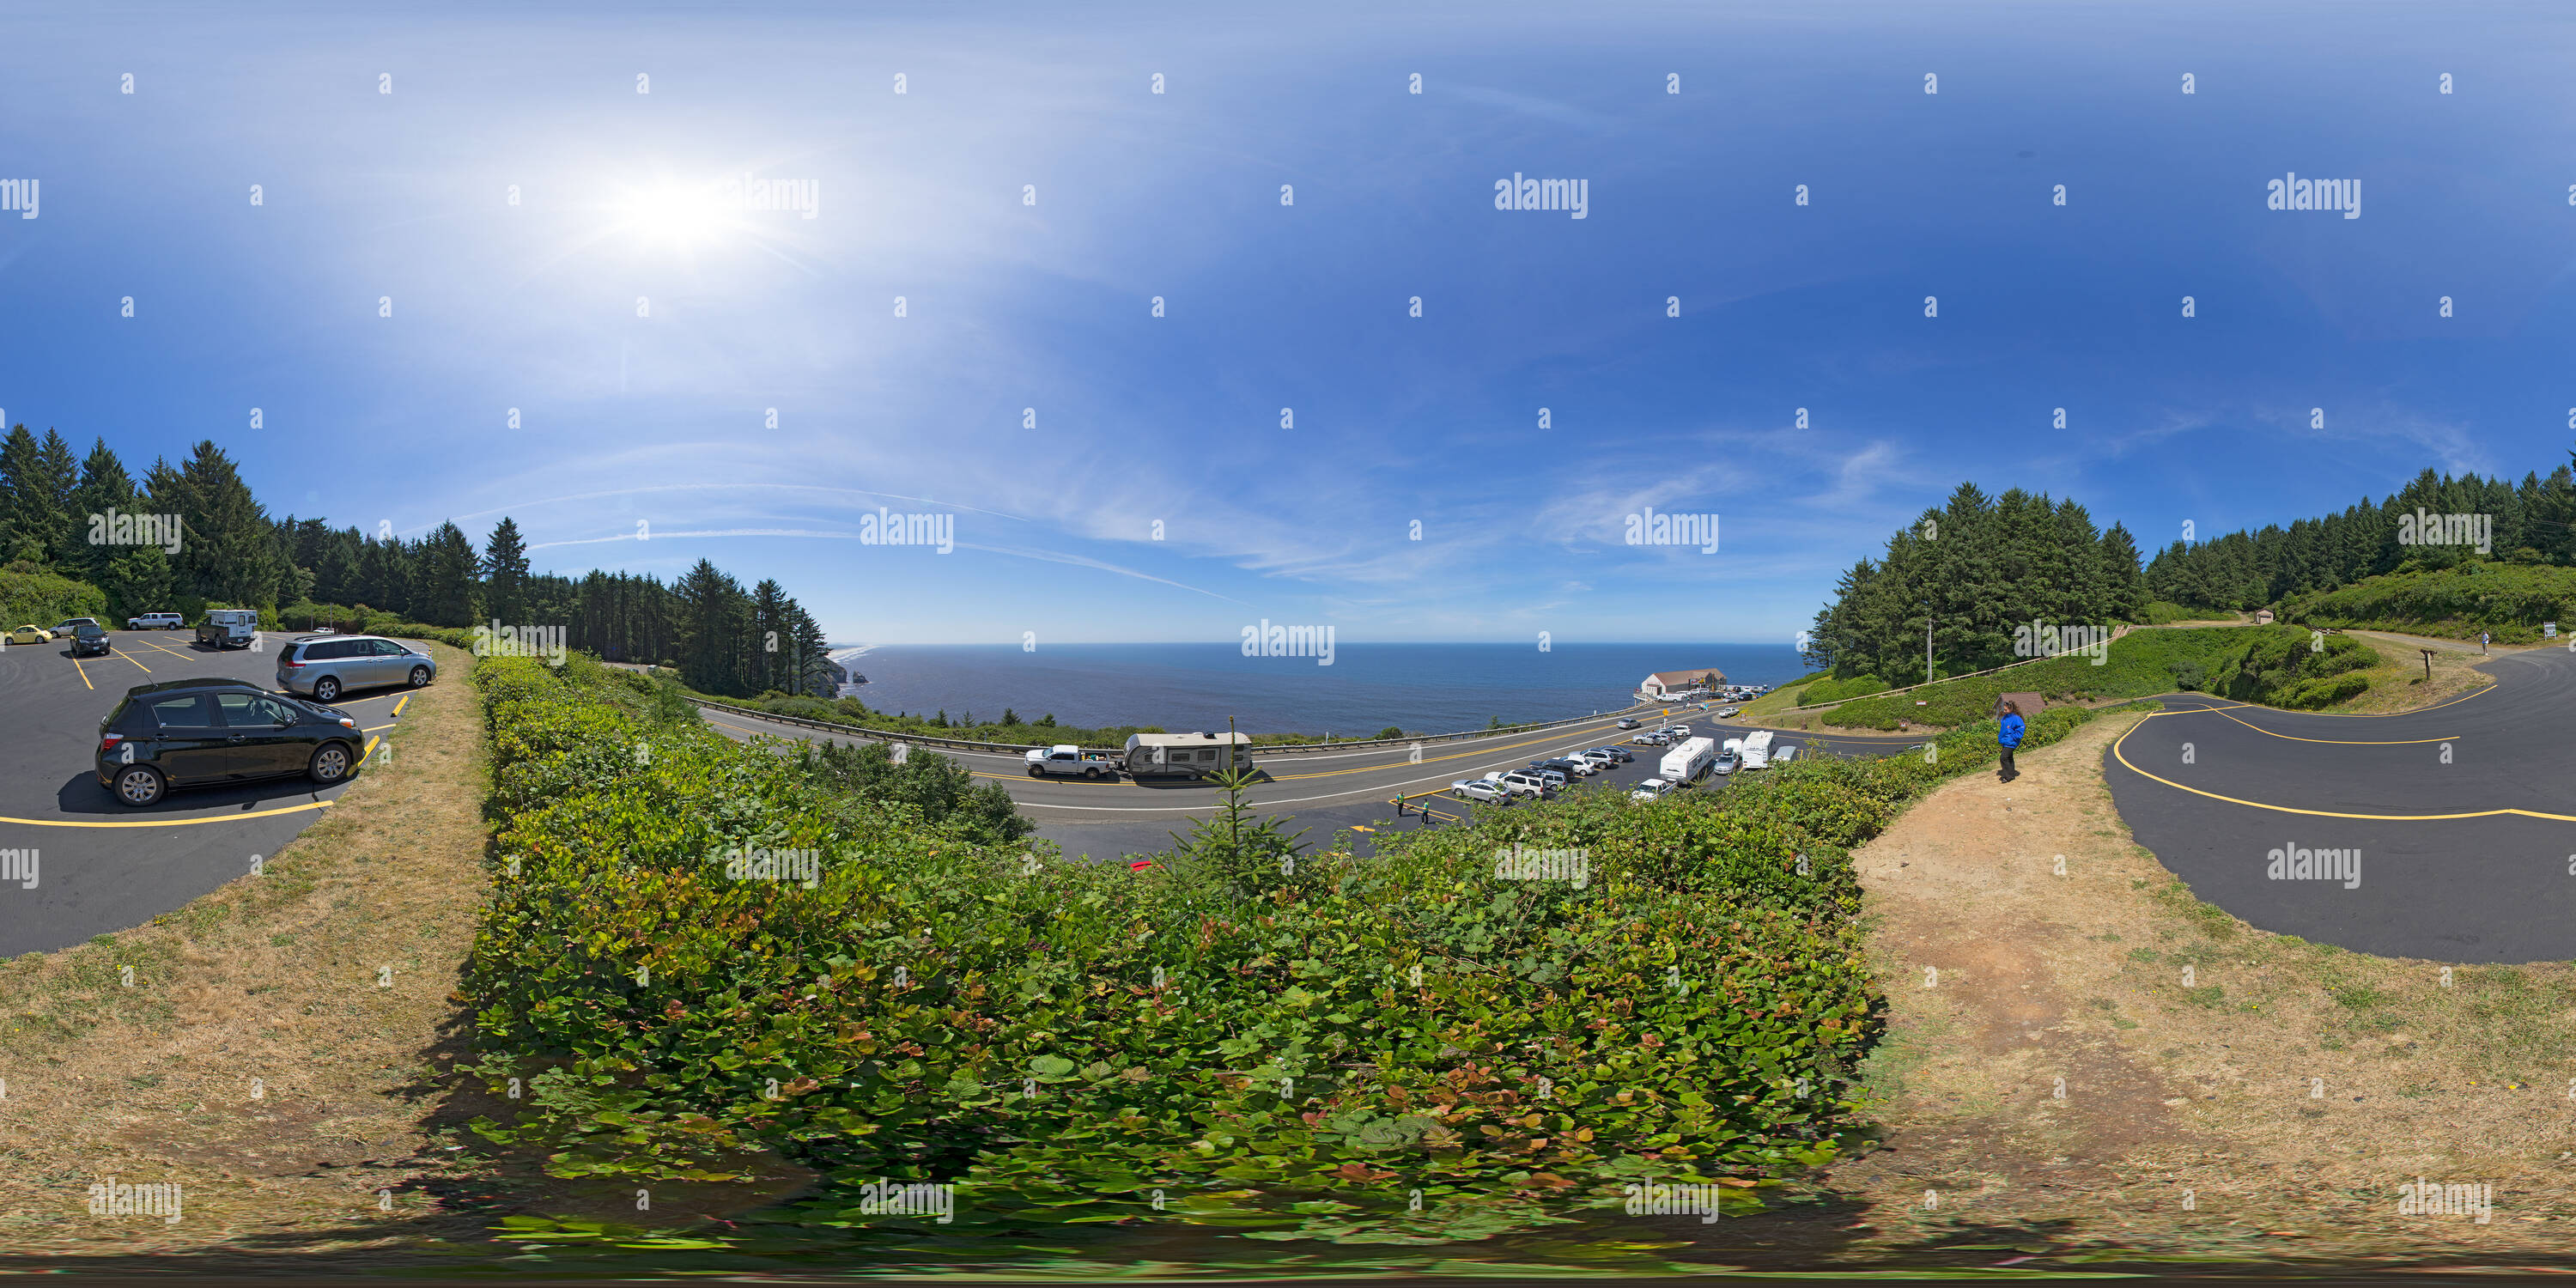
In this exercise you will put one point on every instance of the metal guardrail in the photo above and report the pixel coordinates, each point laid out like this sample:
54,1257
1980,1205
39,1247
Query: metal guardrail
1299,748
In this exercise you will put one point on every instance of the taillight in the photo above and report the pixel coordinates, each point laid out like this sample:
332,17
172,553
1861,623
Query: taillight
288,662
110,741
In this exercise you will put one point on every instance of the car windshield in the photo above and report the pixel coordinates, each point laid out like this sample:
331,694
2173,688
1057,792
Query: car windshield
89,632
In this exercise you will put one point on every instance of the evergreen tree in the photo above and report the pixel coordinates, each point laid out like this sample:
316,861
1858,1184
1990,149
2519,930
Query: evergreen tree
228,550
505,573
444,591
104,486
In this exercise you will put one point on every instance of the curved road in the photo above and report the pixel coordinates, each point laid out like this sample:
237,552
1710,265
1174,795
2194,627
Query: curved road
2450,832
1322,790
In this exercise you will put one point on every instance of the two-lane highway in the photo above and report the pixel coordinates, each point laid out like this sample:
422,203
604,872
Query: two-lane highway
1321,790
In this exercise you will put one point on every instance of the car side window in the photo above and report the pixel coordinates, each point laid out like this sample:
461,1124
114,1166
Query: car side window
241,711
387,648
190,711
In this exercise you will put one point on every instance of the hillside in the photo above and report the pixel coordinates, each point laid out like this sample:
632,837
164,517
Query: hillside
2509,600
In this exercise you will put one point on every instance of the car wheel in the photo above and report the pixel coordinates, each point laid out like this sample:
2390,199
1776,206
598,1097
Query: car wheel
139,786
330,763
326,689
419,677
1035,772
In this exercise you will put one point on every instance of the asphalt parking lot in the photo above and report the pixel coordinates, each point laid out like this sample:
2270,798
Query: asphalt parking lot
100,867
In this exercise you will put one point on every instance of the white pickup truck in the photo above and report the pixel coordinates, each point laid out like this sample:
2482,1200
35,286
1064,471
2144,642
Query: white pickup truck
1067,759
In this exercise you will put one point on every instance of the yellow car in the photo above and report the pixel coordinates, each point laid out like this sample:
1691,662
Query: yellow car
30,635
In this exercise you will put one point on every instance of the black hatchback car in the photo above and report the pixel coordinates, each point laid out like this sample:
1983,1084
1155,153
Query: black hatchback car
89,641
196,733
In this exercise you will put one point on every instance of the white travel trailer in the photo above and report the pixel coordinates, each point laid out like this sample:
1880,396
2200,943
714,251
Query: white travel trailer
1688,761
1757,749
1186,755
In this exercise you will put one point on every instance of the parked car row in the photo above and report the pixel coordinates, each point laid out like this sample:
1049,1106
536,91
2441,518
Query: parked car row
1692,760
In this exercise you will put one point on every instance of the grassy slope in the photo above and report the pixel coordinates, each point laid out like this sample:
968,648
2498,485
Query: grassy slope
2509,600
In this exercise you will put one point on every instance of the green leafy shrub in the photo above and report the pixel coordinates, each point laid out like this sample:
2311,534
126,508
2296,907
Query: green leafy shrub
1317,1034
32,597
2290,666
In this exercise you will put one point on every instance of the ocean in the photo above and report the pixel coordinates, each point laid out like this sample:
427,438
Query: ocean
1423,688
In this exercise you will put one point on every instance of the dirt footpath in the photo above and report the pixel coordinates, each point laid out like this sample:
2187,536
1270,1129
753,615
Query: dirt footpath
2081,1053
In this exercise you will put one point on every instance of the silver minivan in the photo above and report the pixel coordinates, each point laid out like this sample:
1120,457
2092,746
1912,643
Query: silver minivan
323,666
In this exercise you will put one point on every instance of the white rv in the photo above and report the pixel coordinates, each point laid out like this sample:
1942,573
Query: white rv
1186,755
1688,761
1757,749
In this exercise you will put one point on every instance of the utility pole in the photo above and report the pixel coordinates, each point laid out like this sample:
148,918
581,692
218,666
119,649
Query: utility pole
1927,641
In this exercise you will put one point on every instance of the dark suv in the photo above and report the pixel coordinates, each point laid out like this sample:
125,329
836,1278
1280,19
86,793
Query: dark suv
194,733
89,641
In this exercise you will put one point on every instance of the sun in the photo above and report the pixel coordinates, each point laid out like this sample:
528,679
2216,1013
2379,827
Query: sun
674,215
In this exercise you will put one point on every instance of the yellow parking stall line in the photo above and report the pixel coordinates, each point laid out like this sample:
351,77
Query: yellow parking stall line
170,822
84,673
161,646
373,728
398,706
130,658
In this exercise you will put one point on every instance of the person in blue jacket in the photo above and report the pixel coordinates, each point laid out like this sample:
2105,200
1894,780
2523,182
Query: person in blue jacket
2010,736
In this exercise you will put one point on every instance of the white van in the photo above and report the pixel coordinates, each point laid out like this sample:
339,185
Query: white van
229,627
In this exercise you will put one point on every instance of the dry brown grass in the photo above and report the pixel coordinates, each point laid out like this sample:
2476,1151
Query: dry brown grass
2205,1089
273,978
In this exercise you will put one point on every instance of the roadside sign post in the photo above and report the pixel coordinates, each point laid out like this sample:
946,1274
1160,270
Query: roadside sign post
2428,662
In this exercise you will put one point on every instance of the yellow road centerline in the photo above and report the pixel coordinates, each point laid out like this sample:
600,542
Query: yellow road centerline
2221,712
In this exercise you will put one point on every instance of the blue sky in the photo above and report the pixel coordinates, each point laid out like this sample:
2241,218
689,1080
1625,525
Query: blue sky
403,420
